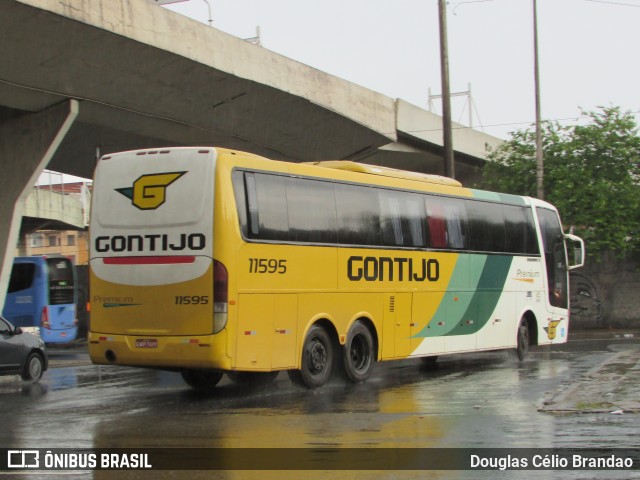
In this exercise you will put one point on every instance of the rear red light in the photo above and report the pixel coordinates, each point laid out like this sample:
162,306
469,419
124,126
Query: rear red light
220,296
44,319
220,283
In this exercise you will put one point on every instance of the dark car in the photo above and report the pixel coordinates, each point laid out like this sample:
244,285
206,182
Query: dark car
21,353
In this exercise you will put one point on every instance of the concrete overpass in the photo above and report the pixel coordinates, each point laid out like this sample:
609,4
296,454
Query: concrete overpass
79,77
56,204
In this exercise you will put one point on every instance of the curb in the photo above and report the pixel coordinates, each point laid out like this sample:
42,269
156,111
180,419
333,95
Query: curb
613,387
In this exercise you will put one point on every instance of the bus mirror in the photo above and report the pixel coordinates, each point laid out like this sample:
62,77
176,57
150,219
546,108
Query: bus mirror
575,251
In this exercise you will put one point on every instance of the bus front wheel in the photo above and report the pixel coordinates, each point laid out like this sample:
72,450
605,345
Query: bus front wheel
201,380
359,353
317,359
522,344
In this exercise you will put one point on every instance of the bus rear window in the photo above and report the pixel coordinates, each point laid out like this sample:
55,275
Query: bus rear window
61,289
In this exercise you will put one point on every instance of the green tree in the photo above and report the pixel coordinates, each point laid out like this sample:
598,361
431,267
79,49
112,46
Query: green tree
592,174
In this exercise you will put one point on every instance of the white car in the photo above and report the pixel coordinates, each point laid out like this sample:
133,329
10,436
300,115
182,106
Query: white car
21,353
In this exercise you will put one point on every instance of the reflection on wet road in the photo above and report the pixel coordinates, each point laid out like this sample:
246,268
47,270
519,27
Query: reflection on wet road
480,400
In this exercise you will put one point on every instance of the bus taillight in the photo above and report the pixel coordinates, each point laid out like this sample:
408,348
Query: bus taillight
44,319
220,296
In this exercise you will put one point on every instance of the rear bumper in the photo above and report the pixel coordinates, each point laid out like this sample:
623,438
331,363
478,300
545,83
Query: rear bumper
65,335
207,351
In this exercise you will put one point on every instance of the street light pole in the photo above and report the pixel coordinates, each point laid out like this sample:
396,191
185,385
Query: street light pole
210,16
536,67
447,138
167,2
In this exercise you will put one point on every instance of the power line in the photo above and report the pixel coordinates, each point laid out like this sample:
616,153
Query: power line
614,3
512,124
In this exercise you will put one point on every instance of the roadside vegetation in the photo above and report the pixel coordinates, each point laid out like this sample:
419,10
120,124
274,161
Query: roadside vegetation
591,173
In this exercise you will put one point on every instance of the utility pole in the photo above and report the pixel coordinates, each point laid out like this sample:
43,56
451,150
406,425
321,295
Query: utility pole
447,138
536,68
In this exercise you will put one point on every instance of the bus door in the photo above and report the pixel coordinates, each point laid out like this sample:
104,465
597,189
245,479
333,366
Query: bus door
555,258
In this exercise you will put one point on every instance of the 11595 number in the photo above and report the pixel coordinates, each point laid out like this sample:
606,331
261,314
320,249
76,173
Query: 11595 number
192,300
267,265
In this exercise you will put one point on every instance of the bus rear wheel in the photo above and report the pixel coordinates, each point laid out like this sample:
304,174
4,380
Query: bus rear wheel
522,344
201,380
317,359
359,353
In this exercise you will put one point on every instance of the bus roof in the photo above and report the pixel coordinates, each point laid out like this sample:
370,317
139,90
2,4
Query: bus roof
386,172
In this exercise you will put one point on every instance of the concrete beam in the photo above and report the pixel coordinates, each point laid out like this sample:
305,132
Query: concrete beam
26,147
148,77
425,127
55,207
147,24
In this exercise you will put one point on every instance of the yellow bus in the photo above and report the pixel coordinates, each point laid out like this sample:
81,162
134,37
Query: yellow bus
210,261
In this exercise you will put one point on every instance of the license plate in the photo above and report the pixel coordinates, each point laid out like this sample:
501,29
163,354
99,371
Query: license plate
146,343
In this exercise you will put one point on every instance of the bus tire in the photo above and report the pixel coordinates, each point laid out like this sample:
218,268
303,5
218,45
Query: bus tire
201,380
359,354
33,368
522,341
317,359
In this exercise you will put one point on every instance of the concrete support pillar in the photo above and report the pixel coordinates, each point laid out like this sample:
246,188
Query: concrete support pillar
26,147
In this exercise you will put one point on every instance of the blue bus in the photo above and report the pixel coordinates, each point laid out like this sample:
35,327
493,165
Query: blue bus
42,293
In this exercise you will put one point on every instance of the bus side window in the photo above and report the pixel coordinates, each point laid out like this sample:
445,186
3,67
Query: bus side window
531,246
402,219
486,226
312,211
447,221
437,225
520,230
240,194
22,276
358,215
456,215
252,204
262,205
390,220
267,206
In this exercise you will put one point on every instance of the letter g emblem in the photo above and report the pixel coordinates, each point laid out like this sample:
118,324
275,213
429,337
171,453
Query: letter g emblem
150,191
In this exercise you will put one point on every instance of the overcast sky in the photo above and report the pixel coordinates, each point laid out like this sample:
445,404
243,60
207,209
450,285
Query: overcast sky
587,50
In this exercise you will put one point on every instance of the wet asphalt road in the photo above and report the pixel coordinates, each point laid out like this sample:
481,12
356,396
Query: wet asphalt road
478,400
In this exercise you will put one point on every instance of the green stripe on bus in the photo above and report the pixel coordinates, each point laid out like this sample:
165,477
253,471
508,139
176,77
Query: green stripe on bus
466,312
497,197
486,296
456,300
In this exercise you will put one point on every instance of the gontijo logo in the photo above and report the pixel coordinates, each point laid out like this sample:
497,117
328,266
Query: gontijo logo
149,191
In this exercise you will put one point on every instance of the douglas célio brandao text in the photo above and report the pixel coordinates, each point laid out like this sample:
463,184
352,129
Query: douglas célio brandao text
570,461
